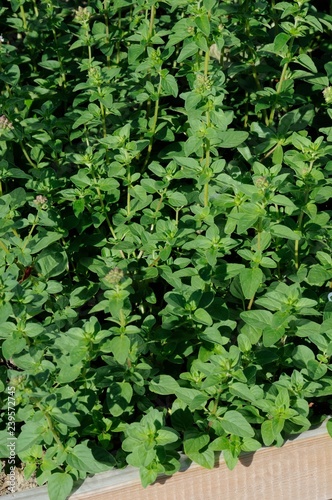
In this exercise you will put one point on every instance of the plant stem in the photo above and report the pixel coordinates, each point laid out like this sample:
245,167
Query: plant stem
258,85
158,207
216,402
128,192
90,55
103,114
23,16
206,185
177,210
55,434
148,104
33,165
207,142
251,302
151,23
118,40
26,241
102,204
62,72
154,125
4,247
108,59
299,227
35,8
281,81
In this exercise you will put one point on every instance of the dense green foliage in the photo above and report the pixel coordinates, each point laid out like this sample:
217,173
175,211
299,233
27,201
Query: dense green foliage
165,233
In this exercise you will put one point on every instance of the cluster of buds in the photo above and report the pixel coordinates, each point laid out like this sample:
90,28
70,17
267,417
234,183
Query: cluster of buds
327,93
41,202
114,276
203,84
262,182
95,76
155,58
5,124
82,15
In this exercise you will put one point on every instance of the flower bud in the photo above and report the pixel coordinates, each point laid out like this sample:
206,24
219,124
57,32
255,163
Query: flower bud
114,276
327,93
5,124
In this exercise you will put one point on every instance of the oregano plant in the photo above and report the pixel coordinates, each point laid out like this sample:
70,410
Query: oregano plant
165,232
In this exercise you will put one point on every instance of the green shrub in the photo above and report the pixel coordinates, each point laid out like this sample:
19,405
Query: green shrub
165,244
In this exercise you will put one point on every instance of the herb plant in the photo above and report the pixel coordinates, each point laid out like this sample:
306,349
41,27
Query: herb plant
165,233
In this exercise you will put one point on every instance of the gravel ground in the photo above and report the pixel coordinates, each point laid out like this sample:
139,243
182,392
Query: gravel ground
21,483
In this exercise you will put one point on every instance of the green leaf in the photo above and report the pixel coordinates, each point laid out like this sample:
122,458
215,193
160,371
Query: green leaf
118,397
69,373
307,62
198,401
316,370
18,197
187,395
81,458
302,355
267,433
4,441
196,448
65,418
204,458
203,23
280,43
166,436
250,444
59,486
141,456
271,335
250,280
50,64
231,138
120,347
13,346
134,51
329,426
188,50
257,318
169,85
202,316
235,423
147,475
284,232
242,390
164,384
209,4
282,200
187,162
271,430
327,311
5,311
38,244
230,459
78,207
192,145
85,118
52,261
176,199
31,433
11,75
